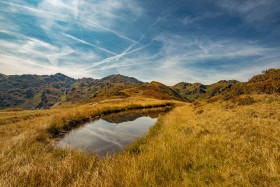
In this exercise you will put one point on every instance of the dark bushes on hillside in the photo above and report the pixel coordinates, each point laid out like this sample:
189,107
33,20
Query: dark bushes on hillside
266,83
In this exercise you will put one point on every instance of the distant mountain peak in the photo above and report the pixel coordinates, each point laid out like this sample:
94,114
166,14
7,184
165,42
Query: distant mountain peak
62,77
44,91
2,75
118,78
60,74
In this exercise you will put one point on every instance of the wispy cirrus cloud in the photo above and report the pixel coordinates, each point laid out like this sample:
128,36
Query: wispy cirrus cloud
257,11
87,43
97,17
191,59
30,66
34,54
169,42
197,50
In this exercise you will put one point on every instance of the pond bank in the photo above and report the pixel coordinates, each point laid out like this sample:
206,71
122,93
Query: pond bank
62,125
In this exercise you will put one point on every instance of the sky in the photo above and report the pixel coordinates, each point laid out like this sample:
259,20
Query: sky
167,41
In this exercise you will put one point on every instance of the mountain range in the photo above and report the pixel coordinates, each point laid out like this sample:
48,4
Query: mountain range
47,91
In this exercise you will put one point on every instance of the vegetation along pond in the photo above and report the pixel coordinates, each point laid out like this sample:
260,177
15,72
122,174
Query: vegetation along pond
112,133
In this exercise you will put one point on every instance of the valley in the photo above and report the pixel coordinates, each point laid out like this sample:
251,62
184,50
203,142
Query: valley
132,93
225,134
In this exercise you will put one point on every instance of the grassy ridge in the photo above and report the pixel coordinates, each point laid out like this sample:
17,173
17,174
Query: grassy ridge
220,143
14,115
208,144
266,83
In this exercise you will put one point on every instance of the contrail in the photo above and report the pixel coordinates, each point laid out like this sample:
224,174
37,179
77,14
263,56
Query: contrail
104,60
121,55
84,42
112,31
137,49
22,6
39,12
125,51
48,14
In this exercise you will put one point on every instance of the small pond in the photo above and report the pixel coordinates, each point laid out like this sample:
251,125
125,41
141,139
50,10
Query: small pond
112,133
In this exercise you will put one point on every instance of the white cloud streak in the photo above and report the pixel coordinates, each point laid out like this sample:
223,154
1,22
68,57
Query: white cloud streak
37,12
181,58
114,58
26,66
89,22
87,43
85,14
189,59
37,56
60,10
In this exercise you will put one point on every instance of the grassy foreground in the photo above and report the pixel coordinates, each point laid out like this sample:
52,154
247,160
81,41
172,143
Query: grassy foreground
218,144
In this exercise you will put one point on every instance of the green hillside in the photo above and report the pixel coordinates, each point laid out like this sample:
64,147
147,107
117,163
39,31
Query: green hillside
266,83
230,138
37,92
43,92
198,91
32,91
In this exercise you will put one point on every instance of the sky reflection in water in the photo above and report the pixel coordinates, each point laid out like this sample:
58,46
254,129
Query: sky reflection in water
111,133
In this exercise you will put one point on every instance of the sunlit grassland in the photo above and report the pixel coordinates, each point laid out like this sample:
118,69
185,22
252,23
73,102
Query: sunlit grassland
16,115
219,143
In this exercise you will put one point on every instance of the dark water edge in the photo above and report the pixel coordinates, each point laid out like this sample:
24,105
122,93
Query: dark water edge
111,133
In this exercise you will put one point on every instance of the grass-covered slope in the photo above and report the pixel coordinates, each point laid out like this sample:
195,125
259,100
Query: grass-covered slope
36,92
198,91
268,82
41,92
85,89
191,91
117,86
155,90
219,144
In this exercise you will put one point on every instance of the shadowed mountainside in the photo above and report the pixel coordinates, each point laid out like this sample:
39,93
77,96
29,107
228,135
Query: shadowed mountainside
36,92
46,91
32,91
87,88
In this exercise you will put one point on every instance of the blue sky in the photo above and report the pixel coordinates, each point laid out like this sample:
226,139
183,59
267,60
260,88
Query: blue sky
168,41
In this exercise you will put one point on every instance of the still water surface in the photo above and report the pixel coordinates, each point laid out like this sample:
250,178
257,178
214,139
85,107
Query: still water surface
111,133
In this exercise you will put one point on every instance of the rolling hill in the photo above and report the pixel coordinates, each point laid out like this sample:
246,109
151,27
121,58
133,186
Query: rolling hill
198,91
37,92
232,140
48,91
266,83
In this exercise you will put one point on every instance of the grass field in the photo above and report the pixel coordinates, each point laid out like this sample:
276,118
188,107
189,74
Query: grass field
221,143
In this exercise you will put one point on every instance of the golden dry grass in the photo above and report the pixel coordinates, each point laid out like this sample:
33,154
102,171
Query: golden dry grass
215,144
12,116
